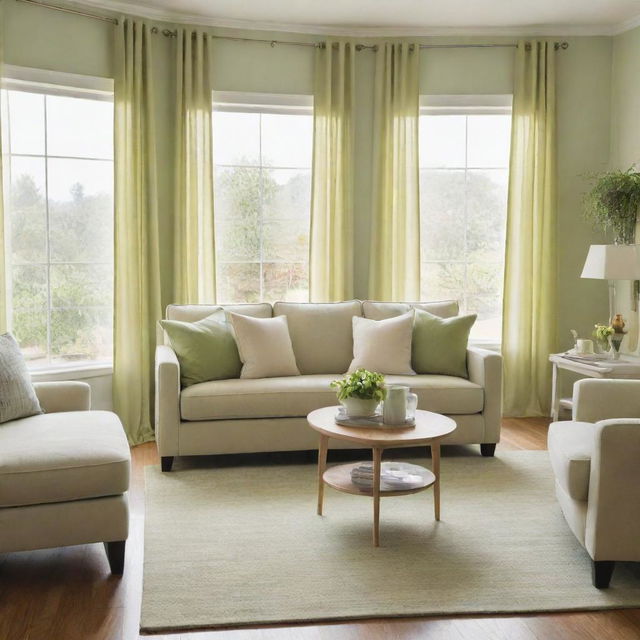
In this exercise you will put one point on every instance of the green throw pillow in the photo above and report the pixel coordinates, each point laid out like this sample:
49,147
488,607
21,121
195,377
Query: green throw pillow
206,349
440,344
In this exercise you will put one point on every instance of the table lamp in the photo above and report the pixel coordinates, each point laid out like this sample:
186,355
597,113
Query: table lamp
614,262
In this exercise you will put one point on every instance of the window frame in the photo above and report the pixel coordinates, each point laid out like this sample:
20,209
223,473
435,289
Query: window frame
50,83
468,105
268,104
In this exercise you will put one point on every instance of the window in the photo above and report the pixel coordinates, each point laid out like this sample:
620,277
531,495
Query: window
262,193
59,223
464,159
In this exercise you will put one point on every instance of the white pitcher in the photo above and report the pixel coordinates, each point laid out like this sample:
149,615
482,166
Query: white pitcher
394,408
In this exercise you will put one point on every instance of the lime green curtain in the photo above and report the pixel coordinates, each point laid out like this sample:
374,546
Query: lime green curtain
195,279
529,312
394,264
331,242
3,270
136,259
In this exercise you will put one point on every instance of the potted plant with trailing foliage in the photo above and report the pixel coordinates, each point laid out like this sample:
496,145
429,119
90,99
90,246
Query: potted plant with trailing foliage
360,392
612,204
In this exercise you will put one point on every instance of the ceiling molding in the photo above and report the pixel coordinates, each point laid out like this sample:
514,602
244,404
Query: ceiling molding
626,25
152,13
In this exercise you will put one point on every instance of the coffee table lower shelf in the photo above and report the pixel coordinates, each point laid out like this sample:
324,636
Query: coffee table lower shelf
339,477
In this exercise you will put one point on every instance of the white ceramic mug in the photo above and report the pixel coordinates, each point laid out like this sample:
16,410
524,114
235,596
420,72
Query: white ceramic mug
584,347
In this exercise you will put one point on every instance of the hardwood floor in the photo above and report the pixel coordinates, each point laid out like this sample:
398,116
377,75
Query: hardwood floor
69,594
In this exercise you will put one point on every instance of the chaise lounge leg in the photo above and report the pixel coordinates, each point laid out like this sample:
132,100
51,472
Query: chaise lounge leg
115,555
601,571
487,449
166,462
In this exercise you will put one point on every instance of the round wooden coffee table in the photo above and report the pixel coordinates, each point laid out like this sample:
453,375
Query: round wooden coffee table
429,430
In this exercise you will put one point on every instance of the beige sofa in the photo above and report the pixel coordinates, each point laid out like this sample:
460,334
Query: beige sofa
243,416
595,459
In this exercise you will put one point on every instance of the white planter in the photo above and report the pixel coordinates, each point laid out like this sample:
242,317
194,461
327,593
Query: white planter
358,408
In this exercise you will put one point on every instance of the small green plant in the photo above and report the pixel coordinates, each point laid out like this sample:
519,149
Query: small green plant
362,384
601,333
612,204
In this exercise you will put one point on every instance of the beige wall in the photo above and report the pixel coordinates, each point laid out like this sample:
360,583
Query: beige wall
625,141
37,37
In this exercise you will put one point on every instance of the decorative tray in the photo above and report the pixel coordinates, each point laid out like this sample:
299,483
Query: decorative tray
372,422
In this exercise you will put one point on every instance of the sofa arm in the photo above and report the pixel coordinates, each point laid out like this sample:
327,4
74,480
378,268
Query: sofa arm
485,369
597,399
613,512
167,401
55,397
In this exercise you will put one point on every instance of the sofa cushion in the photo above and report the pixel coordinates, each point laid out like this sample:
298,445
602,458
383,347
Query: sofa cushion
383,346
206,349
62,456
194,312
321,334
17,395
383,310
570,447
294,397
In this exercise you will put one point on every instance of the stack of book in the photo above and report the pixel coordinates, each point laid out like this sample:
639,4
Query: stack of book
394,476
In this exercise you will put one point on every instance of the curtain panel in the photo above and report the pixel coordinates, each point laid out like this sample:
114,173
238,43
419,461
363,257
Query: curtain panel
394,264
137,306
3,266
195,278
529,308
331,240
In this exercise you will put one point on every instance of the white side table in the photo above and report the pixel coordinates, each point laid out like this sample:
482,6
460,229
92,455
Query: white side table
627,367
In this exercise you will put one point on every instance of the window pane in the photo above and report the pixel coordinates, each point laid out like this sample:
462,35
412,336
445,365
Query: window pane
486,214
28,211
29,287
488,326
442,141
29,302
442,204
81,285
286,241
237,242
79,127
238,282
288,282
81,333
237,194
488,141
287,140
71,179
442,281
26,122
236,138
288,194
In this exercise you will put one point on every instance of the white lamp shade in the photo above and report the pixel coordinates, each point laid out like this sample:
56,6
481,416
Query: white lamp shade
612,262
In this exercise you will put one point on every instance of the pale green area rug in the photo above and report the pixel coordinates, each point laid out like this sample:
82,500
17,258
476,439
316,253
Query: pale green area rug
244,546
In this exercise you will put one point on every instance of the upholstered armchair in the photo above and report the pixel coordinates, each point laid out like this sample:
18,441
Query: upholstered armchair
596,462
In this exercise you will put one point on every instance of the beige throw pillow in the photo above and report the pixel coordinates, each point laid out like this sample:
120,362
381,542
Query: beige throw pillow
264,346
383,346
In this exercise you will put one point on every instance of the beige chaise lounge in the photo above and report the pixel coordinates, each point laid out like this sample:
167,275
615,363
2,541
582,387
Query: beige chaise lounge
64,476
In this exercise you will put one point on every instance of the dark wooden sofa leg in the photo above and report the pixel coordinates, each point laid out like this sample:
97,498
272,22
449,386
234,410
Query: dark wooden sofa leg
487,449
166,462
601,571
115,555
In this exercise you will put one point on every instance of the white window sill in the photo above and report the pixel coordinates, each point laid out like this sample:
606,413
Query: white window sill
491,345
74,372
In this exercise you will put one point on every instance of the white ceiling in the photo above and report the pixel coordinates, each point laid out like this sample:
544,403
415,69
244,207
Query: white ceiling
398,17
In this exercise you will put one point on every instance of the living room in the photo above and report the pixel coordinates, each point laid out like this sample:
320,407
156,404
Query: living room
261,260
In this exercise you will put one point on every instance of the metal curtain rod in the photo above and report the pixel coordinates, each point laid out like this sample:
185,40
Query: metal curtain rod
359,47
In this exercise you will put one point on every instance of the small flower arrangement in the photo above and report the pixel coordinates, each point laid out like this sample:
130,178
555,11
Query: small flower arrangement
361,384
601,333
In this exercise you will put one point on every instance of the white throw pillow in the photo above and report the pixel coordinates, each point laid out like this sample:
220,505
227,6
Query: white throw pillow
383,346
264,346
